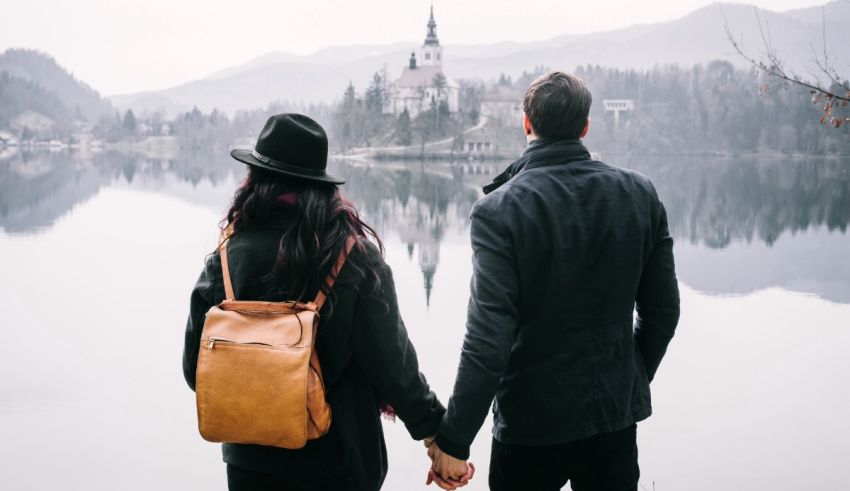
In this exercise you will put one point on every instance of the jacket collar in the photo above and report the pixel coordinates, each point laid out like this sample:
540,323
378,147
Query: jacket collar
540,153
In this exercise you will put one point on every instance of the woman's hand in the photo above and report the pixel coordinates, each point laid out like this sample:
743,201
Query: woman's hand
446,471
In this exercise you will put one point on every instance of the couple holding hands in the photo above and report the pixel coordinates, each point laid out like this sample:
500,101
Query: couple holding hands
565,250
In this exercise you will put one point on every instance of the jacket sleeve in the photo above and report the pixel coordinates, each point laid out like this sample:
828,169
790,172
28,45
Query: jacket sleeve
382,349
200,302
491,329
657,299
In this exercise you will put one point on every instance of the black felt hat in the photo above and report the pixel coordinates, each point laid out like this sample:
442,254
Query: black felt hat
293,145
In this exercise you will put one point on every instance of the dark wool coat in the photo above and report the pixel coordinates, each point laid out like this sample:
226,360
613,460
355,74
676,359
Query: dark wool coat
564,249
366,357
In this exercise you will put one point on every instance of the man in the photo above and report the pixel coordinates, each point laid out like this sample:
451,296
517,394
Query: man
565,248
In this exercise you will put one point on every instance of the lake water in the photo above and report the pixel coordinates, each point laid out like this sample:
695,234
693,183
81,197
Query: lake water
98,255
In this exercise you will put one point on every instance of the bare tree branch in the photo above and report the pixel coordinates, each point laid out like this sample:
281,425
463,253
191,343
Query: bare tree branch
774,66
837,94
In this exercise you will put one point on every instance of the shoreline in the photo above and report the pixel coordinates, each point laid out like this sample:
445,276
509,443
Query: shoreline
171,147
597,154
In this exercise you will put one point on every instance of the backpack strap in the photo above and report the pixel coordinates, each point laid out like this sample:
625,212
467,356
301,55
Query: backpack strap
343,255
320,297
225,271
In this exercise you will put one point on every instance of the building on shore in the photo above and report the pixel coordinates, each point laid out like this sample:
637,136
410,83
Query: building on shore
618,106
423,82
502,105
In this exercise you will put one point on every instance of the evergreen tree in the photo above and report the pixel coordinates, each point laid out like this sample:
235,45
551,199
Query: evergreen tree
439,82
375,122
349,99
375,95
129,123
404,129
346,119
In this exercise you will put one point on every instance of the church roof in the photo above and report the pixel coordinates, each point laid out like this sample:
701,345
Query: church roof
422,76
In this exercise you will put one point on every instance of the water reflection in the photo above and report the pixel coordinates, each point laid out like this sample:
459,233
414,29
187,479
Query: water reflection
742,224
716,201
741,367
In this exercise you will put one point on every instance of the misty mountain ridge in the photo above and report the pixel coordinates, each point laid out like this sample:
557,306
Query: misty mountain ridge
38,94
41,69
698,37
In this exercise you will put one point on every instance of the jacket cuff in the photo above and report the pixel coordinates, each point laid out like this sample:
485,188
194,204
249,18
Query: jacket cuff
427,427
456,450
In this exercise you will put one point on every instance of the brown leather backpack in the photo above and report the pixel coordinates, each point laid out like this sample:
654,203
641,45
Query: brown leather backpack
258,378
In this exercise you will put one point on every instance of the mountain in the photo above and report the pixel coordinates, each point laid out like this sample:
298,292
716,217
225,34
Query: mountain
37,93
42,70
835,13
327,56
698,37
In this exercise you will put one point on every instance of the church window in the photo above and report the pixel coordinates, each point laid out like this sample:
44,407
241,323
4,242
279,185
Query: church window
438,56
427,56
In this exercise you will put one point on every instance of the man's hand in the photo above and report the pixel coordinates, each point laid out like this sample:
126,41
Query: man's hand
446,471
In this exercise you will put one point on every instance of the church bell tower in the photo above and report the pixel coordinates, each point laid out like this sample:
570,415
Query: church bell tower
432,52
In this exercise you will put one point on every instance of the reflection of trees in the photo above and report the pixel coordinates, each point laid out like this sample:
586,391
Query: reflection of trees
716,201
709,200
38,188
418,206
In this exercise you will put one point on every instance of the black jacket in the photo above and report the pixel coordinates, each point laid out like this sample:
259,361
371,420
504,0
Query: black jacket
564,249
366,358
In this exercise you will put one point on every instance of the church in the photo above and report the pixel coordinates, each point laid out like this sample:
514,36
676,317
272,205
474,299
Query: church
416,88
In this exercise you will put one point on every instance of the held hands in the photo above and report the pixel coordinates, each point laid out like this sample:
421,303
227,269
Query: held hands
446,471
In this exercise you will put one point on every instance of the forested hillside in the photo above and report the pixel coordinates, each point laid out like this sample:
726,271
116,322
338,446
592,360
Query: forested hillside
37,93
713,108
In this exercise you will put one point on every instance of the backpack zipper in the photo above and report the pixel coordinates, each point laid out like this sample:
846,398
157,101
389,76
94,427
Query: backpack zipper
212,341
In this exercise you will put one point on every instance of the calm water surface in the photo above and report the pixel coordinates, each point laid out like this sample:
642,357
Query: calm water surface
98,255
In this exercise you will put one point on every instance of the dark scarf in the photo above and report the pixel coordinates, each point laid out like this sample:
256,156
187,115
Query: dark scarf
540,153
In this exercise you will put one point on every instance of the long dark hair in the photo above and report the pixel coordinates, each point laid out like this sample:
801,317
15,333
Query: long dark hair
322,222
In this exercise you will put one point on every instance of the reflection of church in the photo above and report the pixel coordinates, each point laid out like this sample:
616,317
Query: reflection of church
422,82
422,230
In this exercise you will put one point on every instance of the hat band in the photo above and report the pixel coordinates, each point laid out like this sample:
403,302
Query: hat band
288,167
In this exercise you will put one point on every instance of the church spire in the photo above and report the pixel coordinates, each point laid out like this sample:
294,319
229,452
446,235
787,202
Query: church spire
431,38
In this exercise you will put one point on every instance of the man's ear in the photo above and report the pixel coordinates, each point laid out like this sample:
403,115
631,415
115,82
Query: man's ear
586,129
526,124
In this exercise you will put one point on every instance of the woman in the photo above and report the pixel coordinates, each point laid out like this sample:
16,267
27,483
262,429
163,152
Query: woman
288,226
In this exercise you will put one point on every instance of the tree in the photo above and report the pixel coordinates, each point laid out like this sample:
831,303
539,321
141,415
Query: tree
439,82
347,119
404,129
375,122
349,99
215,117
129,123
834,94
375,95
424,128
470,100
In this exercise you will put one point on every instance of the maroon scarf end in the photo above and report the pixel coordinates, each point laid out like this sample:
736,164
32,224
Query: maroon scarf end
388,412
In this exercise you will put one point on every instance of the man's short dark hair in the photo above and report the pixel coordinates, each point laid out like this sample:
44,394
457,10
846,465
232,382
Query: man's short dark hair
557,105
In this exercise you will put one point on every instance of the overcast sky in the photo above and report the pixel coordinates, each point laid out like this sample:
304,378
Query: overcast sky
120,46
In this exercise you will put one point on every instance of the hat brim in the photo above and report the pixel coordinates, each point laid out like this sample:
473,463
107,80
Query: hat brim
246,157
